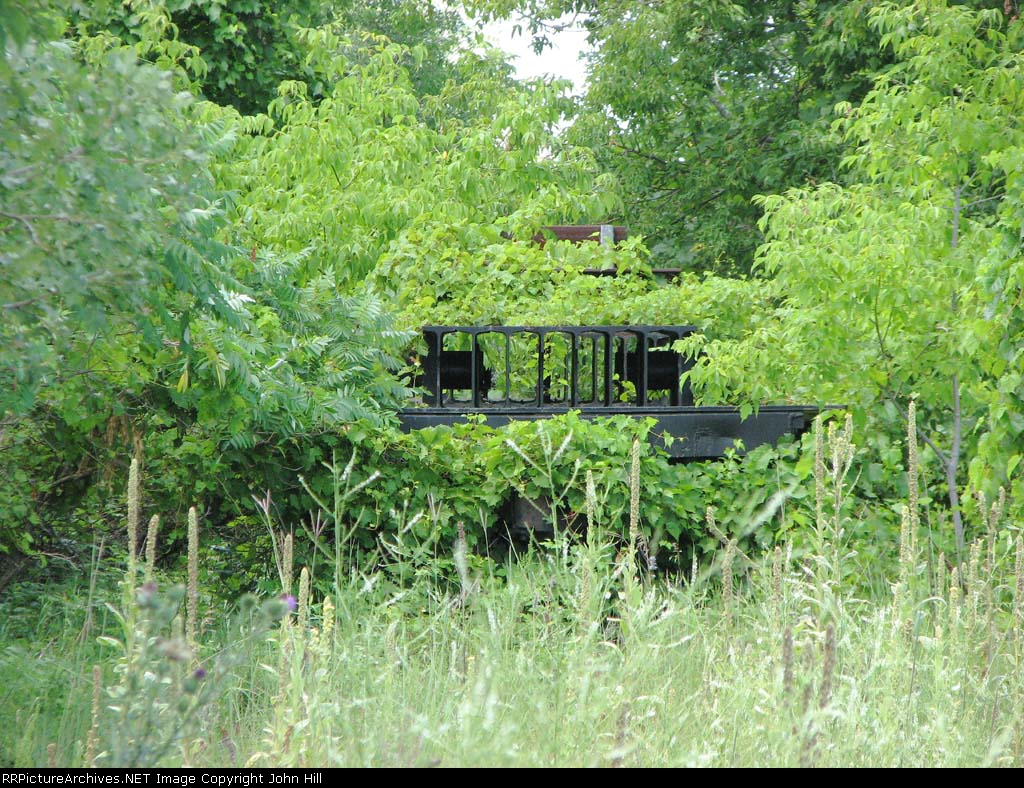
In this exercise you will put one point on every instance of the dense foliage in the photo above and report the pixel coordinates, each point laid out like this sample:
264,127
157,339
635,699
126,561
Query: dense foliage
906,283
248,47
222,223
698,107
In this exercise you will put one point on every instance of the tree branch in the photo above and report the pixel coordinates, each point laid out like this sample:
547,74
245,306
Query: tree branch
971,204
25,221
71,155
714,196
27,301
641,154
713,98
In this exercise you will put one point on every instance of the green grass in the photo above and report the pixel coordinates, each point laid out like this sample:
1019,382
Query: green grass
565,663
571,656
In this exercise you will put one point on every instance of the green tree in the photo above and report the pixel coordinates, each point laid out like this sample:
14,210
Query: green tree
105,198
903,285
698,107
346,176
222,321
130,312
248,47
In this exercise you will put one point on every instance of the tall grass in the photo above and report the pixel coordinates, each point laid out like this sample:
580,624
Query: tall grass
577,655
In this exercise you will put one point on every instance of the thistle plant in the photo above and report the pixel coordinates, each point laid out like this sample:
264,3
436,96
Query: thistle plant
155,707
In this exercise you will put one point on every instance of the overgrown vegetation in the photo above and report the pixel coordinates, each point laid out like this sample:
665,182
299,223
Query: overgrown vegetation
222,225
575,655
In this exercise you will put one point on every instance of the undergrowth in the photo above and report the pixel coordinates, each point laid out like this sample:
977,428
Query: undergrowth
575,654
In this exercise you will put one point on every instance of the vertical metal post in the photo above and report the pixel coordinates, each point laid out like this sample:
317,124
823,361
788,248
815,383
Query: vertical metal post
609,367
540,368
474,374
434,349
508,367
641,385
574,376
674,393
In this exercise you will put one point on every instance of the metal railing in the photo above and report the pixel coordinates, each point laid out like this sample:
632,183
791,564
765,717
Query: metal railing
588,367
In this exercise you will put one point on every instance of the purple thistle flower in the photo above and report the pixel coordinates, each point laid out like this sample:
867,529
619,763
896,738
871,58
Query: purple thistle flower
292,602
146,595
200,674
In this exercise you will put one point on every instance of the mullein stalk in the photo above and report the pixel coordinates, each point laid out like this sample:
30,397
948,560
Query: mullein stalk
151,536
913,485
973,581
134,495
841,445
906,546
819,508
955,595
591,500
904,592
990,584
819,474
192,594
303,601
287,558
327,631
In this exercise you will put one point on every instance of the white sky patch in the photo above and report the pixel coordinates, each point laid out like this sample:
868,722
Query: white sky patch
561,60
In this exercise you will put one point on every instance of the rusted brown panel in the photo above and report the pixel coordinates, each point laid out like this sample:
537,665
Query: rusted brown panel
579,233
